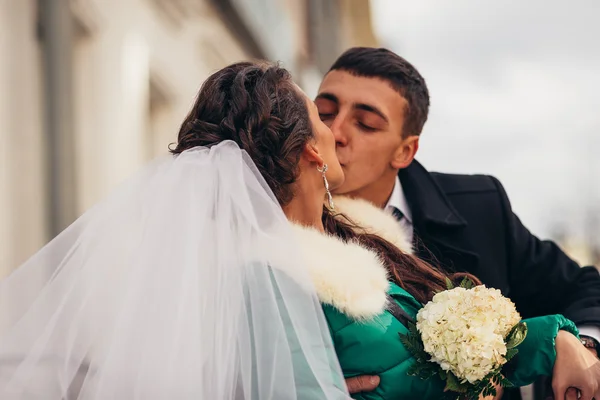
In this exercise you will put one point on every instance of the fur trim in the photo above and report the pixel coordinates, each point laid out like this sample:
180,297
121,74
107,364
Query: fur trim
346,275
374,220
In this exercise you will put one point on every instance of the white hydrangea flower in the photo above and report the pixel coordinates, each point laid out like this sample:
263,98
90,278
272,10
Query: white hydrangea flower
464,330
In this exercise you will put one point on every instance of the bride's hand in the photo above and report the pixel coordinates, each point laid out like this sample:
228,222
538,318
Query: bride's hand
498,396
575,367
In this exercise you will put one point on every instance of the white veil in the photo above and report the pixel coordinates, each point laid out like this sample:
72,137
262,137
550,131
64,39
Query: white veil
185,283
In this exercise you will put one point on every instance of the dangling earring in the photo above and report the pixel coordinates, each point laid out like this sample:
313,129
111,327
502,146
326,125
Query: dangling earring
323,170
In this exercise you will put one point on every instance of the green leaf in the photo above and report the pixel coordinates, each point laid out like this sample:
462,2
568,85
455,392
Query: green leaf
510,354
423,370
449,284
486,386
412,346
412,329
428,371
489,391
452,384
467,283
505,383
516,335
495,378
442,374
406,342
413,343
413,370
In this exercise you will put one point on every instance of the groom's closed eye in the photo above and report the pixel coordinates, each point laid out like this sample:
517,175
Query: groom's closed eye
369,121
327,104
368,117
366,128
327,114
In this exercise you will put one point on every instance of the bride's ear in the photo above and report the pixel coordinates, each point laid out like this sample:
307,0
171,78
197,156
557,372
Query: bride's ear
311,154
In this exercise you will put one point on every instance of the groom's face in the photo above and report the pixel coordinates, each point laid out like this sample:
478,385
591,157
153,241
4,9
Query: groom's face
366,116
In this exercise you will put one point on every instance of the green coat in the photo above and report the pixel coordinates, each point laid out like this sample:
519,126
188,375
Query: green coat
373,347
353,286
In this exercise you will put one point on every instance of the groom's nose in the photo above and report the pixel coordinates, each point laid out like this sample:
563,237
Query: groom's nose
339,127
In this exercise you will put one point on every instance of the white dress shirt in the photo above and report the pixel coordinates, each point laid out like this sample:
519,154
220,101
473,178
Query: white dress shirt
398,200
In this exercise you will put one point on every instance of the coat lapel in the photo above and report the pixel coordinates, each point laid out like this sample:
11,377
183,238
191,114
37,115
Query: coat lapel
439,228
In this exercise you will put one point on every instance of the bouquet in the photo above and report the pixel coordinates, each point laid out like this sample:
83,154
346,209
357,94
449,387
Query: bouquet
465,335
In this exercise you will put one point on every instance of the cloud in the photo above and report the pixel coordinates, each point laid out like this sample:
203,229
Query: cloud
515,90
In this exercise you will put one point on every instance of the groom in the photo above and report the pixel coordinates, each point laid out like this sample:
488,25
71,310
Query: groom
376,104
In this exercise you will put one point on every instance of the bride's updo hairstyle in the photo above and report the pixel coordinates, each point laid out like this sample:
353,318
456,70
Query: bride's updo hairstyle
258,106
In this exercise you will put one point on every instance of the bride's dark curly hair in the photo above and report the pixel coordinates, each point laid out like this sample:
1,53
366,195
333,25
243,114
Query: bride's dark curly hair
259,107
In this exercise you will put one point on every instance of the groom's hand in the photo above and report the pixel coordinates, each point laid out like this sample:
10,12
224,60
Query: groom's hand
363,383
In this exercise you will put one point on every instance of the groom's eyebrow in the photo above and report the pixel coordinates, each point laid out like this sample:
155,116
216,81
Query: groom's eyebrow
328,96
358,106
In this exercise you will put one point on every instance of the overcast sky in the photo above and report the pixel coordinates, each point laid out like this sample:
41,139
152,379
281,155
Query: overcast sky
515,91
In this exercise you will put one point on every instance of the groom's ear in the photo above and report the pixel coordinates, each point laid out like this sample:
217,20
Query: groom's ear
311,153
405,153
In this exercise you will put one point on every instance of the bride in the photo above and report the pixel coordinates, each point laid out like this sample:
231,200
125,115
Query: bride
186,283
190,282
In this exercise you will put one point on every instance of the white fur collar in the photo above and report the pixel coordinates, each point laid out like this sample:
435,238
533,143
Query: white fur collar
374,220
348,276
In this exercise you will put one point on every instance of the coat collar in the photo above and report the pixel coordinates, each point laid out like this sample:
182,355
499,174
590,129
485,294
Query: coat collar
374,220
426,199
436,222
346,275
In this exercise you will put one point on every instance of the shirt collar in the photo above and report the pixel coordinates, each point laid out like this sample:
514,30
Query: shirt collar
398,200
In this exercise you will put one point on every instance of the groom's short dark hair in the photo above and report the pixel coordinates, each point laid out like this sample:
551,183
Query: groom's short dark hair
381,63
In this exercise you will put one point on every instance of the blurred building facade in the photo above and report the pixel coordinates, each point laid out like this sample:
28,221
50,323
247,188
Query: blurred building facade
583,247
92,89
